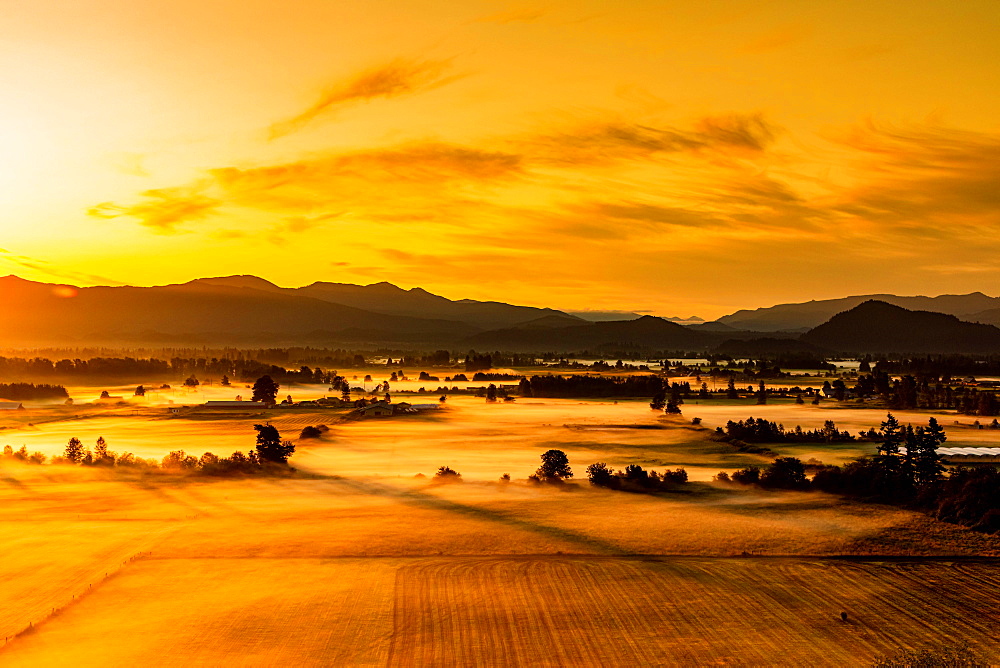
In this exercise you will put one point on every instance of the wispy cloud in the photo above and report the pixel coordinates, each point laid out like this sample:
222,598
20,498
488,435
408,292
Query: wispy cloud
419,179
163,209
616,140
52,270
394,79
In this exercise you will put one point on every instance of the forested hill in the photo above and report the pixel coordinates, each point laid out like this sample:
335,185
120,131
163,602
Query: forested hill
875,326
973,307
645,333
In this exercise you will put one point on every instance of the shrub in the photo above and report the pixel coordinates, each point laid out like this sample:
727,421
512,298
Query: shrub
310,432
748,476
447,474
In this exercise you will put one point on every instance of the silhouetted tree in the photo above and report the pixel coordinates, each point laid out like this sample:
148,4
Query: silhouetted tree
265,390
925,462
601,475
447,474
270,447
785,473
310,432
748,476
74,450
179,460
225,381
140,391
102,456
555,466
659,401
731,392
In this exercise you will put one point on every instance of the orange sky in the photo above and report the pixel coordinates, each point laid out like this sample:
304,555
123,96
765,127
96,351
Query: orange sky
672,157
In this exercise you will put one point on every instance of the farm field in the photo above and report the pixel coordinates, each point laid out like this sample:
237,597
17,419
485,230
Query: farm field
480,440
358,560
549,611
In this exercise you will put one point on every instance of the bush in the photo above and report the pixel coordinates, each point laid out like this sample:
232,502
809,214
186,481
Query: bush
785,473
601,475
748,476
678,475
447,474
310,432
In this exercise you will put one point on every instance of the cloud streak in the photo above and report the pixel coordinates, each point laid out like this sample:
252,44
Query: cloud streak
613,141
163,209
415,180
45,267
394,79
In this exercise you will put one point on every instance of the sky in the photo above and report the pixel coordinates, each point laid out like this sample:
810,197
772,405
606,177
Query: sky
674,158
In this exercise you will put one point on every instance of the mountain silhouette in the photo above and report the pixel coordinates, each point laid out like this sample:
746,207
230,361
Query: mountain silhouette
879,327
806,315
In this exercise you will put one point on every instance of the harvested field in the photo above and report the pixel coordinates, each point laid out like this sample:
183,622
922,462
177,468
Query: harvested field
218,612
518,611
574,612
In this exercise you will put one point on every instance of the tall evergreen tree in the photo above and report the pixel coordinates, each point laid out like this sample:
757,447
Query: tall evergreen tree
926,462
888,463
74,450
270,447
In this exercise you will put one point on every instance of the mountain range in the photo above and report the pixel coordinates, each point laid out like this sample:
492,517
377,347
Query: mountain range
973,307
247,310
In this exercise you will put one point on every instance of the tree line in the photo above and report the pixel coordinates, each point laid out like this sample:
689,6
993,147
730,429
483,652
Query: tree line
906,471
29,391
590,386
270,455
759,430
634,477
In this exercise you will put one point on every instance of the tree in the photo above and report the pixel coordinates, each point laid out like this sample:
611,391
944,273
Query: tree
601,475
555,466
225,381
74,450
731,392
310,432
888,463
270,447
101,454
178,459
762,395
924,459
659,401
447,474
140,391
785,473
491,393
191,381
748,476
265,390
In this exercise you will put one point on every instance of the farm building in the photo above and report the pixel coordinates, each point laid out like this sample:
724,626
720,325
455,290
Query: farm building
235,404
970,455
377,409
11,406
